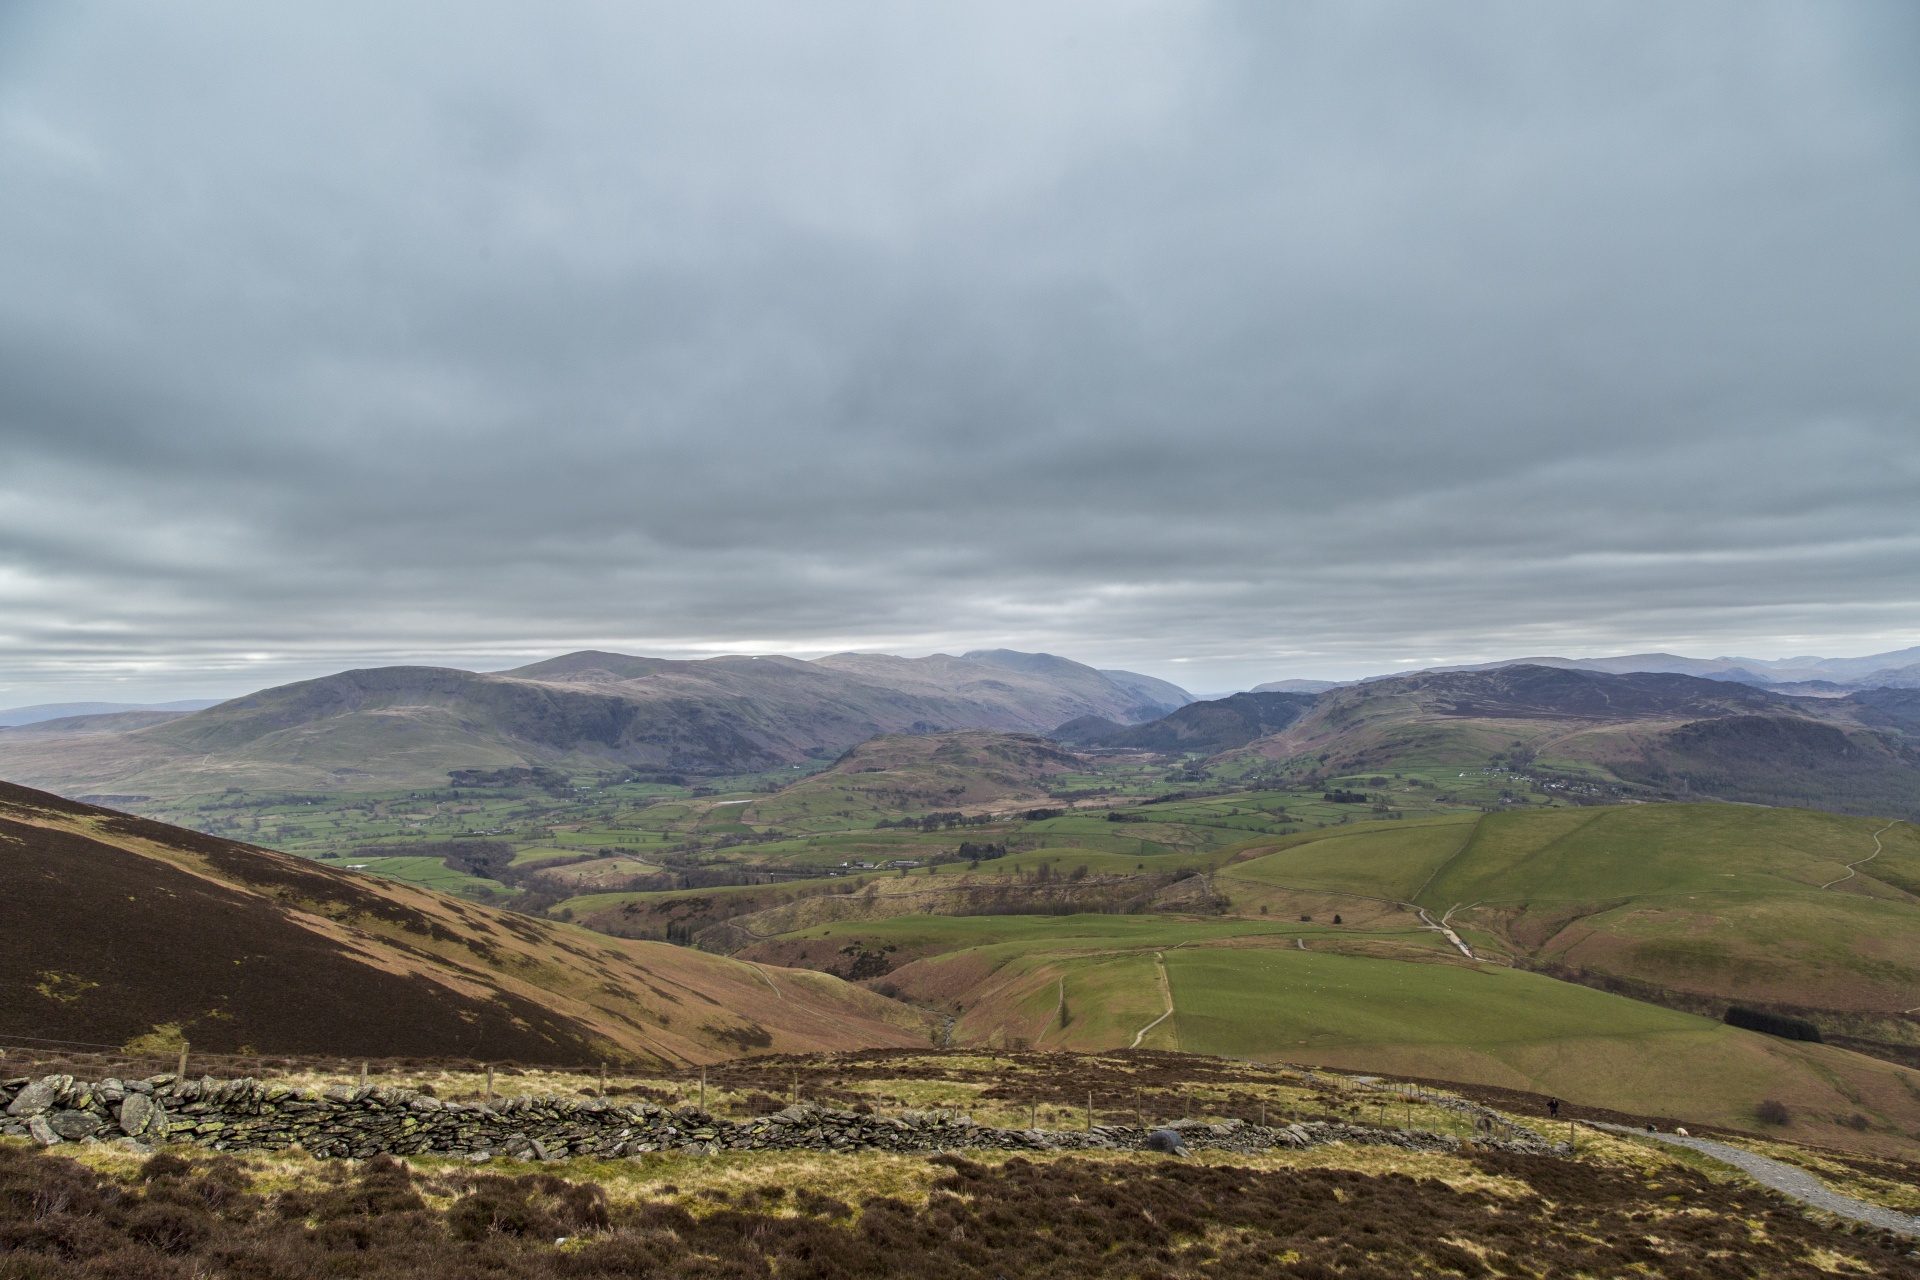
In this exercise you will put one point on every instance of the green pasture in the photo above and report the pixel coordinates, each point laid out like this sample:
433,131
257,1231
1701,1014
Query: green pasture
1264,1002
428,873
939,934
1370,860
1723,900
542,853
1503,1026
1634,850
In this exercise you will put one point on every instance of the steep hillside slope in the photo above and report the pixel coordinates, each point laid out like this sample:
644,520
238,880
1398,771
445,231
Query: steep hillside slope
111,925
409,726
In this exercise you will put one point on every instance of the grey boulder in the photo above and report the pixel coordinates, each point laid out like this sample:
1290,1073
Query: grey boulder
43,1132
74,1125
38,1096
1166,1140
136,1113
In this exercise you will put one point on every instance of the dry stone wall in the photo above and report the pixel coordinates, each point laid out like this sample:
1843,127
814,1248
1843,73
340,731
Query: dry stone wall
253,1115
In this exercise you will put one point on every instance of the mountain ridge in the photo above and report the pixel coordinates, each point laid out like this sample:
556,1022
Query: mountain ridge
411,726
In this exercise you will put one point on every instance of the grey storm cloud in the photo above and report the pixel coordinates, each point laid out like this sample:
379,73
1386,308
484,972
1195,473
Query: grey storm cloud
1222,341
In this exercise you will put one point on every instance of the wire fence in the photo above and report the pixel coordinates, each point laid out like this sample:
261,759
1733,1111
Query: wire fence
38,1056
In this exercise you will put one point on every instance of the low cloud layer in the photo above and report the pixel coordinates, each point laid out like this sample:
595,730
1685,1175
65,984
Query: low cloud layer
1225,342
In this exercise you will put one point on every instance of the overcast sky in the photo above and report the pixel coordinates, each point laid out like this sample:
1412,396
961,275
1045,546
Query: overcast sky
1222,342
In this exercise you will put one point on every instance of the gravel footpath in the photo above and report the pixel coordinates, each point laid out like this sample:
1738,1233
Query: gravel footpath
1787,1180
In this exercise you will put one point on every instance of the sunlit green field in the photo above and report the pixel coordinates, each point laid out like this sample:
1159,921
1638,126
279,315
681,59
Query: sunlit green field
430,873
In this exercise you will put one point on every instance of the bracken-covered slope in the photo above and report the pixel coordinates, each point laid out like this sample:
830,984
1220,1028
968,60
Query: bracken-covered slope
111,925
391,727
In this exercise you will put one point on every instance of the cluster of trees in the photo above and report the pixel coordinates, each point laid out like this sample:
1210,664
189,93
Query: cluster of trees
935,822
1773,1024
551,781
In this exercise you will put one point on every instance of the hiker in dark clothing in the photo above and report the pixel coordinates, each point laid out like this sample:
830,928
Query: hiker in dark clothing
1553,1107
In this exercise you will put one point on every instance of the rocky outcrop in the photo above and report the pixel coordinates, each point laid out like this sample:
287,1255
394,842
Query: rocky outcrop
253,1115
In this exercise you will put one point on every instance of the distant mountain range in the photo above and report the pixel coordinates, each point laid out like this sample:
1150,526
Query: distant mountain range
390,727
1899,669
1719,728
1650,734
40,712
1597,734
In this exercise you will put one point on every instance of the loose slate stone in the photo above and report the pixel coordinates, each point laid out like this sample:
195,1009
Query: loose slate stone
38,1096
135,1112
74,1125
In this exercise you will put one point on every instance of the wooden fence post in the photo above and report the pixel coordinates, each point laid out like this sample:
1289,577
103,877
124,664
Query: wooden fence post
184,1046
489,1084
703,1088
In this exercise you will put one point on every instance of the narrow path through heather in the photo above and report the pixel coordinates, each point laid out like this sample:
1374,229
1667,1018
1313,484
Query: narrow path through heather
1788,1181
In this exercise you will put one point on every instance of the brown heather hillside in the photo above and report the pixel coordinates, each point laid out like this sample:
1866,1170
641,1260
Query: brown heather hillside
111,925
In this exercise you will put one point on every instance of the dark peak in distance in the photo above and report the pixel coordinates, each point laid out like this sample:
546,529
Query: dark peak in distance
1209,727
1087,729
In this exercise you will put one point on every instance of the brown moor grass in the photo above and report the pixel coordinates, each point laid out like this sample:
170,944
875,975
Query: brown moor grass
181,1218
